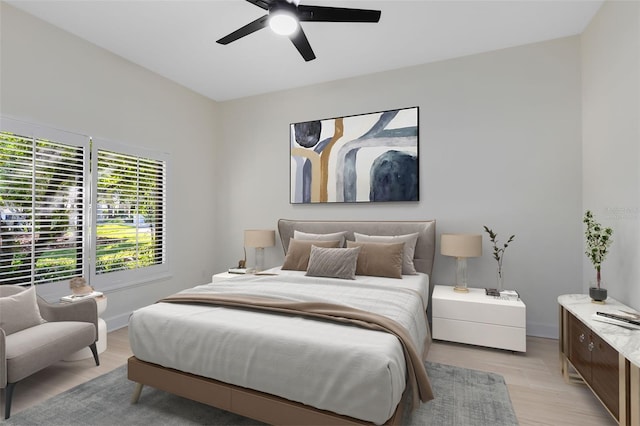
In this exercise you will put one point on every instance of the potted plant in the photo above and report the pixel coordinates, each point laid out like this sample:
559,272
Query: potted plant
598,240
498,253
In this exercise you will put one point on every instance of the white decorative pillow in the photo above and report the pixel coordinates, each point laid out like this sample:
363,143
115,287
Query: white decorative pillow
409,240
340,236
333,262
19,311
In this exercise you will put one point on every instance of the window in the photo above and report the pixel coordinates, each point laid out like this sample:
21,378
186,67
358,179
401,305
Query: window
130,199
42,205
70,206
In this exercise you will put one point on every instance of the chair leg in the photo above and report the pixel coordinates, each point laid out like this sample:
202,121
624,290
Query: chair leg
94,351
8,395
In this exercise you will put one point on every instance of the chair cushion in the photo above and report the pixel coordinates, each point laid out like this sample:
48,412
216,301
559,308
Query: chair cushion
35,348
19,311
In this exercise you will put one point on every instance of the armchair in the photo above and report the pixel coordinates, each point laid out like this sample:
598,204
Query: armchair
35,334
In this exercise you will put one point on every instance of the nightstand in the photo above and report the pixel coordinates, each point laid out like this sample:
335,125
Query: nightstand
224,276
477,319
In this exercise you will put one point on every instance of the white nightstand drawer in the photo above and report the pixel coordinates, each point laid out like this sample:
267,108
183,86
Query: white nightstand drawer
499,312
473,333
478,319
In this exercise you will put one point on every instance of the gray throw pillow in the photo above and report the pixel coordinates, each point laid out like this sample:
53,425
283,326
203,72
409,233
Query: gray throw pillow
19,311
340,236
333,262
409,240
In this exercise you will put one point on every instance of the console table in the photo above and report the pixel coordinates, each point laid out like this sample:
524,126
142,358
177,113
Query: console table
604,356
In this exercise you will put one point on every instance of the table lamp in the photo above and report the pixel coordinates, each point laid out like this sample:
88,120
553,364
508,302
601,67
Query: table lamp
461,246
259,238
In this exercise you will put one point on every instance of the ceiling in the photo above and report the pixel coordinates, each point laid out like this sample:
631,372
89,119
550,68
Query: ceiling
176,38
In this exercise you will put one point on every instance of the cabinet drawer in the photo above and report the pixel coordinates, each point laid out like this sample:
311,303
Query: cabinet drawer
597,363
605,377
579,354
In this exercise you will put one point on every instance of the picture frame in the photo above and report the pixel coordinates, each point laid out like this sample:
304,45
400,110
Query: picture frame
364,158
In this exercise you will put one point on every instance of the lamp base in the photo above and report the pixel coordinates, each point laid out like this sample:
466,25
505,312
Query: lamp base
259,260
461,275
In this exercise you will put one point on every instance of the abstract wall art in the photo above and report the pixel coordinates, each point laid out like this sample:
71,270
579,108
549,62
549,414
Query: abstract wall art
360,158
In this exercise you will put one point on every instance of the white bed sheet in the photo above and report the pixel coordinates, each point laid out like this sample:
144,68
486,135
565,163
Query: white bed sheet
362,371
418,283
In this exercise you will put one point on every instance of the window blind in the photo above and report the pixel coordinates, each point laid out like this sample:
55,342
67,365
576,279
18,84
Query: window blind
42,205
72,206
131,212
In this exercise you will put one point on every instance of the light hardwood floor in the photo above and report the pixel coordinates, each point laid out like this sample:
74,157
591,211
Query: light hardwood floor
538,393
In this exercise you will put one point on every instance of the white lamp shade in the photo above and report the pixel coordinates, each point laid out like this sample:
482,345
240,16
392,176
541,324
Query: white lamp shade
259,238
461,245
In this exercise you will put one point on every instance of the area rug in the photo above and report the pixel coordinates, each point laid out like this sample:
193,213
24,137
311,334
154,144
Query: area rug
462,397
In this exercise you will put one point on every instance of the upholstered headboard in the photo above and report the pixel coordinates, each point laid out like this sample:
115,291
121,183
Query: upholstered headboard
425,247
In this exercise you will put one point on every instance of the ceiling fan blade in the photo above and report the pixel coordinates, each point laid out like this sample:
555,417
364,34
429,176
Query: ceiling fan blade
301,43
262,4
252,27
336,14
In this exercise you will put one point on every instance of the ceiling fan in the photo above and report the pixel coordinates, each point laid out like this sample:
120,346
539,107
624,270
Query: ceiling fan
284,18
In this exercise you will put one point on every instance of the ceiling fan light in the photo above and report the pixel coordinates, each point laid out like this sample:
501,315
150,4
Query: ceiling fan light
283,23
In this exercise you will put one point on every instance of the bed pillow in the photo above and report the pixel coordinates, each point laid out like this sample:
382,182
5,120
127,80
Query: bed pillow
409,240
333,262
379,259
297,257
341,236
19,311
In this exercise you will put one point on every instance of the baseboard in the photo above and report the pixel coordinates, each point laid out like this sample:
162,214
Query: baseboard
542,330
118,321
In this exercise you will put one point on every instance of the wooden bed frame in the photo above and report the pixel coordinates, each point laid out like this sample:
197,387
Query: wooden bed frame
262,406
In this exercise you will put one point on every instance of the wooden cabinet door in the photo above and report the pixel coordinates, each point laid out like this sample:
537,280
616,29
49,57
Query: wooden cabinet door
579,354
605,376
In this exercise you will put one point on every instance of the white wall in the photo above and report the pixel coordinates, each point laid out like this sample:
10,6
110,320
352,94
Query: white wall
50,77
611,142
500,145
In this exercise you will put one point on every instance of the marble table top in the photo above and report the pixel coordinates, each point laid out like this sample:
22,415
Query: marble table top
626,341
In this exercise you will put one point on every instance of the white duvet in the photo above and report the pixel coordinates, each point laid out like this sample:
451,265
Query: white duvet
341,368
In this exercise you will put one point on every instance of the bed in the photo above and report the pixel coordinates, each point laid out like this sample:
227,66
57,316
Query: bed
283,367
